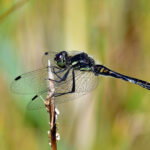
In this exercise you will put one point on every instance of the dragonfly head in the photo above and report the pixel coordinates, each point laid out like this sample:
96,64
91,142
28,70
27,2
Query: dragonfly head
61,59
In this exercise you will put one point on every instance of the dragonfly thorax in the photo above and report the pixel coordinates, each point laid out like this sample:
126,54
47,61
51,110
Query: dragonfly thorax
82,62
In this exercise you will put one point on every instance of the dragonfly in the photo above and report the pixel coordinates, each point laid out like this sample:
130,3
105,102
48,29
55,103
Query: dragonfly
75,74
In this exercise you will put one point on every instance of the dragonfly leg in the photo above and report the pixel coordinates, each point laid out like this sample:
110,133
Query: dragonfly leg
63,78
73,86
56,73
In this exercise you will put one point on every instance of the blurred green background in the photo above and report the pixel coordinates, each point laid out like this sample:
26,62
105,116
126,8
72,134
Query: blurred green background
115,32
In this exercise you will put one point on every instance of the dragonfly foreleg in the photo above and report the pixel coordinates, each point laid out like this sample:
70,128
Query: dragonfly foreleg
59,71
63,78
73,86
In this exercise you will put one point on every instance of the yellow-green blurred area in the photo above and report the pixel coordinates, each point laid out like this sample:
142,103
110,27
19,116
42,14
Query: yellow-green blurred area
116,33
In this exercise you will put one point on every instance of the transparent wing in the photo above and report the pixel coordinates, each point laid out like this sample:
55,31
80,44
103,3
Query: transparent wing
35,82
31,82
85,82
38,103
50,55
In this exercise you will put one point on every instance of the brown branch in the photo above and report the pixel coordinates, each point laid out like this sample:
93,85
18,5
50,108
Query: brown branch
50,106
12,9
49,103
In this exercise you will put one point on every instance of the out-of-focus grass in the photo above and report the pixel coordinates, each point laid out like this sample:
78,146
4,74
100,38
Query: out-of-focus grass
116,33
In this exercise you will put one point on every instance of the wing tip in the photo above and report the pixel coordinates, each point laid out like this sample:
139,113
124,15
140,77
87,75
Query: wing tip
17,78
46,53
33,98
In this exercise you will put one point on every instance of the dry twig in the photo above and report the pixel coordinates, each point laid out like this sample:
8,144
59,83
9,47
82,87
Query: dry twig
50,106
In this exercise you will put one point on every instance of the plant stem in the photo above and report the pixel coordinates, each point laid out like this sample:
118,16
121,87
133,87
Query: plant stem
50,106
51,110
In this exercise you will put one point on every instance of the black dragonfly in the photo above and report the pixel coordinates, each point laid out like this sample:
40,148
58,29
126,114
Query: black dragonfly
75,74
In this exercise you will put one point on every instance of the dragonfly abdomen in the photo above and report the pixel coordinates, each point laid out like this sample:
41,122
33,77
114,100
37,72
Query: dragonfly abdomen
102,70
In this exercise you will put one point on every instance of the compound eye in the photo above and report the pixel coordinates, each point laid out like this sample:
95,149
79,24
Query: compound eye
60,60
58,57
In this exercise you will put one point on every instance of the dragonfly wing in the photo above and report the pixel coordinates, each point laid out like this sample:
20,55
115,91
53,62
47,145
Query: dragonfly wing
31,82
50,55
37,103
85,82
35,82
